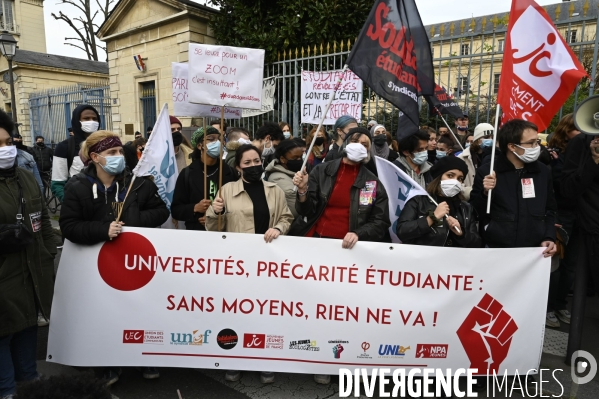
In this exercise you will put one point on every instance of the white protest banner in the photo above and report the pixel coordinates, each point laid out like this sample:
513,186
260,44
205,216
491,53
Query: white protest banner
226,76
317,88
182,106
233,302
400,188
269,86
158,160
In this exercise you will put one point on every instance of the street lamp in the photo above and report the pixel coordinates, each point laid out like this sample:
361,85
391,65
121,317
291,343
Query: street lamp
8,47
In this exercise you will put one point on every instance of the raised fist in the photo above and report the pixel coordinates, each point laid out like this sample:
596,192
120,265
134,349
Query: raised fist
337,351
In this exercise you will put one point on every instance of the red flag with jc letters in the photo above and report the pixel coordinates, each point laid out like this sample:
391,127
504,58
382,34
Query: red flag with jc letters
539,70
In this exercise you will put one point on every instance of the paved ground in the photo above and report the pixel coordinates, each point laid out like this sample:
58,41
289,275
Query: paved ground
210,383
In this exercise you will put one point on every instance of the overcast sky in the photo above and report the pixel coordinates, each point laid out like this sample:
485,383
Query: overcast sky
431,11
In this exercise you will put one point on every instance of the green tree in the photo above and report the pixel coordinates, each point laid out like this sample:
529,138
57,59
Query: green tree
276,25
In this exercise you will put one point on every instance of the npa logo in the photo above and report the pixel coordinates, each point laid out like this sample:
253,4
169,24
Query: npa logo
197,337
143,337
254,341
392,351
431,351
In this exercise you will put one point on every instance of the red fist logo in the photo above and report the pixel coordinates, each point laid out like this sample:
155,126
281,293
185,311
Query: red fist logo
486,335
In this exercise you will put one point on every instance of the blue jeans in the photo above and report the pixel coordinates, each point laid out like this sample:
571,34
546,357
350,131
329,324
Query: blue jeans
17,359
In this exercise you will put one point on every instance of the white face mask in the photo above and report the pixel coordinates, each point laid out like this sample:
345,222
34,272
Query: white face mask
530,154
89,126
8,154
451,188
356,152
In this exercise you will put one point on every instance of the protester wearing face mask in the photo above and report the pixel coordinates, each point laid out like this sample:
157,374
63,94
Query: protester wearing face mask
330,212
236,137
132,152
473,155
182,149
189,204
461,127
523,206
286,130
381,141
451,223
250,205
288,161
342,127
432,145
43,155
444,148
66,162
266,139
413,157
320,148
94,197
27,267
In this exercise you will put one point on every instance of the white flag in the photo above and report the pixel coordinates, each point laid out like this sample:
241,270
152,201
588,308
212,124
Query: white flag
158,160
400,188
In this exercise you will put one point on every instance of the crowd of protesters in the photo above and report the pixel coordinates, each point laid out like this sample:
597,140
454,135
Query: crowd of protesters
540,198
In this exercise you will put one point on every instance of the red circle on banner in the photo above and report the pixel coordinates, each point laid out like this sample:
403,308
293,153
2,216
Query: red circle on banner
127,262
551,38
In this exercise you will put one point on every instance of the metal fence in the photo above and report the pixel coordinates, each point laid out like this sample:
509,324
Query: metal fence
467,62
50,111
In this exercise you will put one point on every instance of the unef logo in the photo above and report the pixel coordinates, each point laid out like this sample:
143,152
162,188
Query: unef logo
116,266
195,338
539,59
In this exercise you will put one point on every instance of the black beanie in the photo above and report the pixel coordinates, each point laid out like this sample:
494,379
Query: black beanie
361,130
448,163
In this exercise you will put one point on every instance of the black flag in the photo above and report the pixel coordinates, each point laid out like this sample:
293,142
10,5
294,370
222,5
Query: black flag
405,127
393,56
444,103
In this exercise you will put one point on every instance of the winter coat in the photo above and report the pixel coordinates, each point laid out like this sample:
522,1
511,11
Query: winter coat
423,178
85,218
25,161
515,221
580,183
239,209
231,147
26,277
413,228
370,222
276,173
43,157
189,190
67,151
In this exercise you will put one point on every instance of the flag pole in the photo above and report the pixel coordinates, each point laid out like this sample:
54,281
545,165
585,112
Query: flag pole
451,131
220,169
204,162
493,154
326,111
436,204
118,218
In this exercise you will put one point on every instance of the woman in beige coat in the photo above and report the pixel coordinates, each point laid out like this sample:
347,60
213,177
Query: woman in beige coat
250,205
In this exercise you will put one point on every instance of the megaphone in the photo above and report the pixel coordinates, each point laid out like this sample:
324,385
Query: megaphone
586,116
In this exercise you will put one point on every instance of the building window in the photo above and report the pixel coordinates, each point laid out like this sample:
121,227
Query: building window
572,36
7,20
500,45
465,50
463,85
148,103
496,83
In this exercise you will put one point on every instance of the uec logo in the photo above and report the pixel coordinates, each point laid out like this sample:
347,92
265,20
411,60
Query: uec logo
112,261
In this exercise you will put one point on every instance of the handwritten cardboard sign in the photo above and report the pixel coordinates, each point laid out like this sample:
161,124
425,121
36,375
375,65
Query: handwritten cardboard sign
226,76
317,89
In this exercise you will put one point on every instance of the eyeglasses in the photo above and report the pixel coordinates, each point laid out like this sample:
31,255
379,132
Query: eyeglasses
175,129
532,144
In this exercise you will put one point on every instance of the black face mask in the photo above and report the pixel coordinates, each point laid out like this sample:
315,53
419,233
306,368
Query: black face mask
253,174
40,145
177,139
319,141
380,140
295,165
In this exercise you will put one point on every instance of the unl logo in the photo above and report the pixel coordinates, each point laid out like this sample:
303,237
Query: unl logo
540,59
254,341
486,334
133,336
431,351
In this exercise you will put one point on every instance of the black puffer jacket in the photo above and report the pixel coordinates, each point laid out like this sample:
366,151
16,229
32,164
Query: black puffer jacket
369,222
86,220
43,157
514,221
413,228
